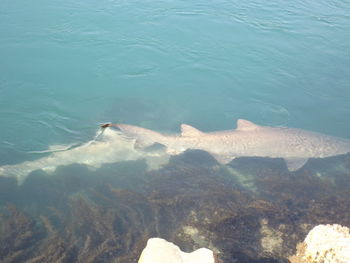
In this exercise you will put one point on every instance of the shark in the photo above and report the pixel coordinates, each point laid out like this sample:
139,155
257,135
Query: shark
248,139
122,142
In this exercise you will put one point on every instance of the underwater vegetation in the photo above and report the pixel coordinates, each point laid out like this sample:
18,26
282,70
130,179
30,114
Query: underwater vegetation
252,210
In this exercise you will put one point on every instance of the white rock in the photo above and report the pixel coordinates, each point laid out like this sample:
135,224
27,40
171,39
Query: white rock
161,251
328,244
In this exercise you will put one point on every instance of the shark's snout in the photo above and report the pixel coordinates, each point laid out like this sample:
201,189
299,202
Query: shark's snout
118,126
105,125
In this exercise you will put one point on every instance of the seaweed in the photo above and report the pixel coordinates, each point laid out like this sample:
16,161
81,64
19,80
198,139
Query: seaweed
253,210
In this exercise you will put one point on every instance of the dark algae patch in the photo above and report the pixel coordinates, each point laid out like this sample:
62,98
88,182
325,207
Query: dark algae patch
252,210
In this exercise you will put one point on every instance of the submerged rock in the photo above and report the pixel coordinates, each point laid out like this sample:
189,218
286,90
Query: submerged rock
159,250
324,244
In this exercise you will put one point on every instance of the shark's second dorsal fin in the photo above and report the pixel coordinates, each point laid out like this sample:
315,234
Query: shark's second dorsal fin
244,125
189,131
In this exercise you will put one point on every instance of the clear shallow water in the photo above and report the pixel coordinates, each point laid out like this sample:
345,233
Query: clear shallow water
67,66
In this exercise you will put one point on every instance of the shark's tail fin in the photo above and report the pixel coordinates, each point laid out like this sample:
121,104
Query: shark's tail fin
144,137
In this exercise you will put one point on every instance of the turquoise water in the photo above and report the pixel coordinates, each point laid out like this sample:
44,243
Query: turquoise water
67,66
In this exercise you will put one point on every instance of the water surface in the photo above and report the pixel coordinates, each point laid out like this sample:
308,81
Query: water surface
67,66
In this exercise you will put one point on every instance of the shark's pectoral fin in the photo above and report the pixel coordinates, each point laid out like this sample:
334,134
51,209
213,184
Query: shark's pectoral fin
223,159
294,164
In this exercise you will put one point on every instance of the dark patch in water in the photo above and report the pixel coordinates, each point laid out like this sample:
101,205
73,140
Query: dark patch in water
253,210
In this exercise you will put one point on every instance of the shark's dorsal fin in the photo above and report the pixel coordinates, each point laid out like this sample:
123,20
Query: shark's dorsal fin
189,131
244,125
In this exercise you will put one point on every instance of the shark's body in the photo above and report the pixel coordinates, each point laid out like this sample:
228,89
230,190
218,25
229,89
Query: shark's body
248,139
295,146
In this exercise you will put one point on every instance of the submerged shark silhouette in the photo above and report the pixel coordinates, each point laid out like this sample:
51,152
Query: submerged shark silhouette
295,146
109,147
